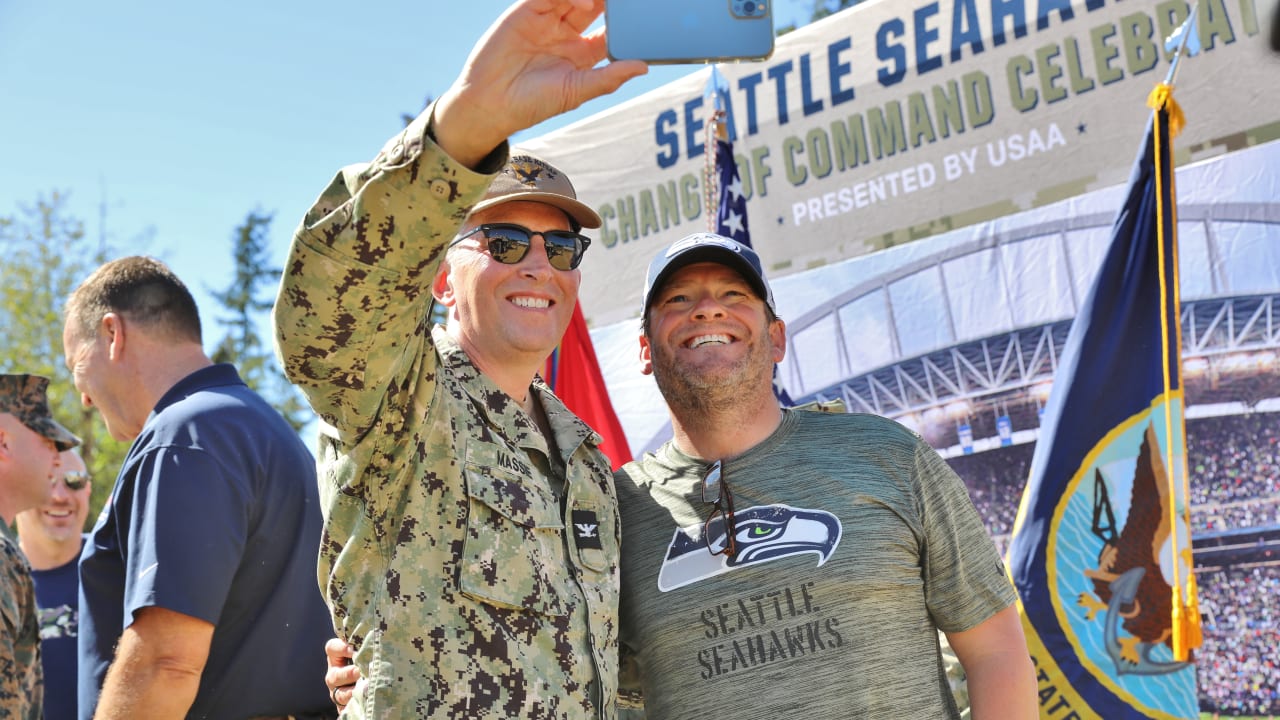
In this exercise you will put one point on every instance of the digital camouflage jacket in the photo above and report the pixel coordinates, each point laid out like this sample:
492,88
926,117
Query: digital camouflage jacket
21,686
472,565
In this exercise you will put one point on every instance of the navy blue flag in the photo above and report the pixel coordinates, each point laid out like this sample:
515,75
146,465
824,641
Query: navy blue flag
1101,550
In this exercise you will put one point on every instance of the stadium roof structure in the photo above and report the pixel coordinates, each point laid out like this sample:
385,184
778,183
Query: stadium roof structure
965,327
972,330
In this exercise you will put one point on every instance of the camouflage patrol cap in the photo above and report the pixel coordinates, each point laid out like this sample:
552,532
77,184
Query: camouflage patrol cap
23,396
530,178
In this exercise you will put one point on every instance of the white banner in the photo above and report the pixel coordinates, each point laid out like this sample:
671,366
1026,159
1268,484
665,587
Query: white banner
1025,270
894,121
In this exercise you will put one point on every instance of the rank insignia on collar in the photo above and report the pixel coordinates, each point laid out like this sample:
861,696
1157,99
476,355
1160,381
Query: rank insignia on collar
586,529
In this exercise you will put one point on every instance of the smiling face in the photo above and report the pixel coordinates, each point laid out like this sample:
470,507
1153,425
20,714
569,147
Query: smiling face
28,461
710,338
503,314
59,522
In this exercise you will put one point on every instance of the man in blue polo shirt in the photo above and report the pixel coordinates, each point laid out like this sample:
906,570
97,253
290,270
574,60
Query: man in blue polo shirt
197,586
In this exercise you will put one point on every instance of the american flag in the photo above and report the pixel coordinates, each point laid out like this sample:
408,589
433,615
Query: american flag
731,207
731,215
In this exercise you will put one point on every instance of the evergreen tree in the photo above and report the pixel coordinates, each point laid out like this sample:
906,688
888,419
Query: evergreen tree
247,301
46,256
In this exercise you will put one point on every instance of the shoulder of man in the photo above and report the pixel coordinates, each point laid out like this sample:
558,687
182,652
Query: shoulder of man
655,466
814,416
17,592
12,559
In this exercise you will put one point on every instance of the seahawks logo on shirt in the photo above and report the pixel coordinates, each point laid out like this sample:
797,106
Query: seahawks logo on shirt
763,533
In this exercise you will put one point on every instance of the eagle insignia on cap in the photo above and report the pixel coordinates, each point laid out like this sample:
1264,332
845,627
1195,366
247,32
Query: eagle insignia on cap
528,170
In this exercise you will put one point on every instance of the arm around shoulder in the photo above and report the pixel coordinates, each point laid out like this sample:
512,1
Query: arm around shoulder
1002,681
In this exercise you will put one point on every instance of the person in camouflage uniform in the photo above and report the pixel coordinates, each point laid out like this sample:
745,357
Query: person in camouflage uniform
470,553
30,440
51,535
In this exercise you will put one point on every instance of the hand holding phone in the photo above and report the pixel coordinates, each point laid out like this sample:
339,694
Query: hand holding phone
689,31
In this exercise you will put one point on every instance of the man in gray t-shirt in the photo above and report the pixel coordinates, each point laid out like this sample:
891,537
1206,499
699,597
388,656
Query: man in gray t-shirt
777,562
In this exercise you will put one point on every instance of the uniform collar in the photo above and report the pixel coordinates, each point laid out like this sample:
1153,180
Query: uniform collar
503,414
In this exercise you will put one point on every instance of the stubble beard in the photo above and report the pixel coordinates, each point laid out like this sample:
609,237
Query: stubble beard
701,398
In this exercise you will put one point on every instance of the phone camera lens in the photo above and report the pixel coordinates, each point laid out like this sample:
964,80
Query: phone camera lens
749,7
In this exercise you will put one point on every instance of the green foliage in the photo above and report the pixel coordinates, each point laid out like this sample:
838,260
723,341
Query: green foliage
46,255
247,302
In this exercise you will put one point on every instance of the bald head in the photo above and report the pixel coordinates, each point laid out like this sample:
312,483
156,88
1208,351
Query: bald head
50,534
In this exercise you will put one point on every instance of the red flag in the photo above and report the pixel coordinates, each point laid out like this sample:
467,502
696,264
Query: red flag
574,375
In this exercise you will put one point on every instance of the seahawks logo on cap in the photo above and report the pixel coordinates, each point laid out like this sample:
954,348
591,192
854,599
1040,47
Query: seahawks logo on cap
699,239
763,533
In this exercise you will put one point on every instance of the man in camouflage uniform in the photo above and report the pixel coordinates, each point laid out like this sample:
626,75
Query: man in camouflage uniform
30,440
470,546
51,536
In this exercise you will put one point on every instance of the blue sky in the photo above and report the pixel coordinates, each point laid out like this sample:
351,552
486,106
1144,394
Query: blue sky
178,119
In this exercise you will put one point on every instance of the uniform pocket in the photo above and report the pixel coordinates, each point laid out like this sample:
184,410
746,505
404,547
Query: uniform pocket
513,552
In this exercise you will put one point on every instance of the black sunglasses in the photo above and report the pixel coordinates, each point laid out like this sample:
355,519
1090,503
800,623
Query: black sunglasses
715,492
509,243
74,480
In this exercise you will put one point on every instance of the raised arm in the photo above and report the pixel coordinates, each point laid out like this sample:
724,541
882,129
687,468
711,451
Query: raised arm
356,286
533,63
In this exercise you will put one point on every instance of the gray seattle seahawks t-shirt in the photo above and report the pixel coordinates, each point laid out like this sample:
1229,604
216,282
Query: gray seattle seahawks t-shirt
855,544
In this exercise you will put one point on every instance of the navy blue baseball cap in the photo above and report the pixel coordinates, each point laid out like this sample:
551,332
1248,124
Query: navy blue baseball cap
707,247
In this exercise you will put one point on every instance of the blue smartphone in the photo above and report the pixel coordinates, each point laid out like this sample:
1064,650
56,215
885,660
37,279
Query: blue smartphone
689,31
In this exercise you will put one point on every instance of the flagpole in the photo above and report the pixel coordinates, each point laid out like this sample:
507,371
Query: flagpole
714,94
1182,46
711,173
1184,615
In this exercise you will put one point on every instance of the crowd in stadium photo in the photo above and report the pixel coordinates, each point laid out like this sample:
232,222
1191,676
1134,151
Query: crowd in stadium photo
1234,462
1235,471
1239,663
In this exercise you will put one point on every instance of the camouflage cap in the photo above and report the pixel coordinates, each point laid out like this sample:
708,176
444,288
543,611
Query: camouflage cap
23,396
530,178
